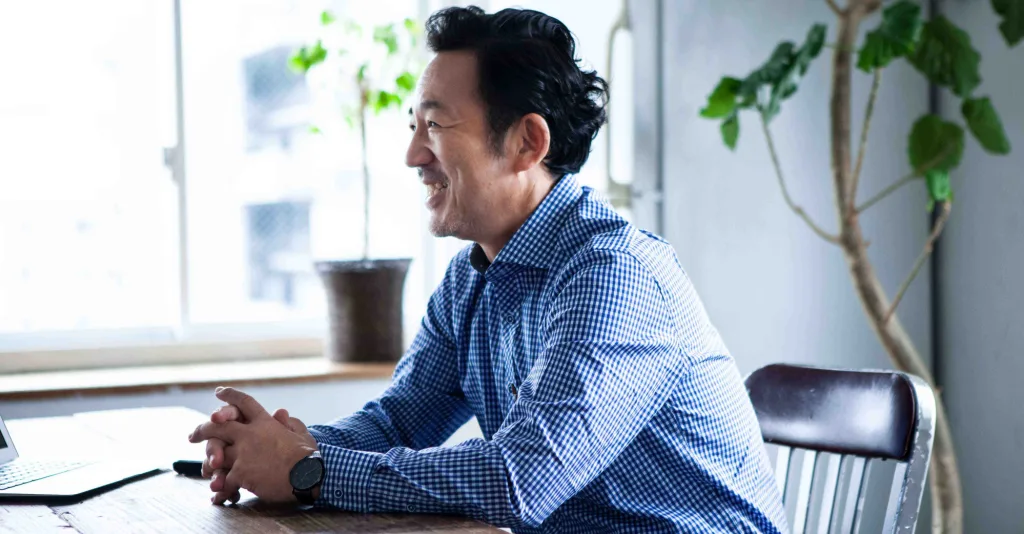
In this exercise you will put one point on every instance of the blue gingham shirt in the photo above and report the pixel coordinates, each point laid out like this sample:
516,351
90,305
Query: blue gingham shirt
607,399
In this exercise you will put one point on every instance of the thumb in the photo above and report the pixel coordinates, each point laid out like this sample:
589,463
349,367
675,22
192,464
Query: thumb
281,415
297,426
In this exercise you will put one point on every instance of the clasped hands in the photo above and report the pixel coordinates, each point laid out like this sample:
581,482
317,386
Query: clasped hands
248,448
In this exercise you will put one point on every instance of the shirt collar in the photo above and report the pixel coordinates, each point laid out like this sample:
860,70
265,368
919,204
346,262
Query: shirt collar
534,243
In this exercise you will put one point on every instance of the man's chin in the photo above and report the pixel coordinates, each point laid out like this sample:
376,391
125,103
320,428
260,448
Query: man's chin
441,228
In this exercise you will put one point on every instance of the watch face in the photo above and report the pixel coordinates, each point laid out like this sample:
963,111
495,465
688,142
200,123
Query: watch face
306,473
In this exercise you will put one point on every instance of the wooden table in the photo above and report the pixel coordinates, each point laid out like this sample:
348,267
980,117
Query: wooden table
167,502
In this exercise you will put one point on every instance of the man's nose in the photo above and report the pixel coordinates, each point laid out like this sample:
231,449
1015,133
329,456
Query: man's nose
418,154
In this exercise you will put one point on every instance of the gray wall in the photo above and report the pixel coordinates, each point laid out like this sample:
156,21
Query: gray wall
776,291
981,292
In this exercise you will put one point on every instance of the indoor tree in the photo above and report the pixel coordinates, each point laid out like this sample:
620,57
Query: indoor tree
375,70
942,53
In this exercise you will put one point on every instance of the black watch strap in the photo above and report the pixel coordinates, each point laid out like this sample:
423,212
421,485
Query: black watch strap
305,496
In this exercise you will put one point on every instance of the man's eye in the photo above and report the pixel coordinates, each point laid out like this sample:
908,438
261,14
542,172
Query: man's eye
432,124
412,127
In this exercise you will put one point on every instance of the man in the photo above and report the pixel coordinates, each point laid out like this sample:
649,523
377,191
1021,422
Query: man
607,400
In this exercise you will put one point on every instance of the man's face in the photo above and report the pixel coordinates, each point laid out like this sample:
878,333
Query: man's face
468,185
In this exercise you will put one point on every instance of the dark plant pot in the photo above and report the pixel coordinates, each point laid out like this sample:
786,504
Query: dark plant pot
364,309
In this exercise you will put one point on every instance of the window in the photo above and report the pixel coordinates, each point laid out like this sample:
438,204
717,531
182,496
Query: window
99,244
87,212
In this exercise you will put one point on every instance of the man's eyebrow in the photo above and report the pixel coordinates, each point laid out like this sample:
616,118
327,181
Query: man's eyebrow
431,104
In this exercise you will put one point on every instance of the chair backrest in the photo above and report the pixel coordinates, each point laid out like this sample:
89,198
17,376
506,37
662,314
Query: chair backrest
853,417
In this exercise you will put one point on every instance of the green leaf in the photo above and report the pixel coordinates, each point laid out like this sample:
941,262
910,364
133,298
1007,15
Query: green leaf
306,57
769,73
382,100
386,35
722,101
984,123
361,73
327,18
298,62
778,78
318,54
731,131
405,82
411,26
945,56
314,130
895,37
1012,13
935,144
939,188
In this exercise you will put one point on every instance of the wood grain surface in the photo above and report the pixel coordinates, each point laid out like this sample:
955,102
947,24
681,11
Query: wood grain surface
168,502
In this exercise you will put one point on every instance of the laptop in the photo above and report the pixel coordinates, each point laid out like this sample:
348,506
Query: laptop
60,480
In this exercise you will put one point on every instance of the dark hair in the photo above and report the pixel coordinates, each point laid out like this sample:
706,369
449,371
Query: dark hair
527,64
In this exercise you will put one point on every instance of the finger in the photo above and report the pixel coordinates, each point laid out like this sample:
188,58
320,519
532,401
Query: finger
227,413
217,480
249,408
297,426
225,495
226,432
222,496
214,456
281,415
233,481
228,491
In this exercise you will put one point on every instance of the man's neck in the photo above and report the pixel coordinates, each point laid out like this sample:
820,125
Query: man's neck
526,206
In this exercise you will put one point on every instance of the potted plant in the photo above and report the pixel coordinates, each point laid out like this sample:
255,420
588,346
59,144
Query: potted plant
943,54
372,70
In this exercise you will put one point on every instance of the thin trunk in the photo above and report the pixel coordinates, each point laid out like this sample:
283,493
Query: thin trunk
366,181
944,476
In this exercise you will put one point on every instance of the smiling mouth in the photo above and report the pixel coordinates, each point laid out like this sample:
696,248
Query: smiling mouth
433,189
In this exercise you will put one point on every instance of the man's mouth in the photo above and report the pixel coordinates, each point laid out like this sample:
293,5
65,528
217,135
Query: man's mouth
435,188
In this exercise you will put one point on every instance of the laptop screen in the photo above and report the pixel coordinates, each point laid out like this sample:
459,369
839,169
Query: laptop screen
3,444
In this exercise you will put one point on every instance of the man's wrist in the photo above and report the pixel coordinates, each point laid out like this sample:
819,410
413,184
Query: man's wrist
306,489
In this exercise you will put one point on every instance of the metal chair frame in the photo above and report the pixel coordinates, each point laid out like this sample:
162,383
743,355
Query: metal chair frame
908,483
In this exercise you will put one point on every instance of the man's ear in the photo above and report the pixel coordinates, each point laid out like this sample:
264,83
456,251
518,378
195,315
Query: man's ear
533,139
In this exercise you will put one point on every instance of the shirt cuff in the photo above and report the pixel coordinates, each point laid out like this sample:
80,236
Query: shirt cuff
346,478
320,436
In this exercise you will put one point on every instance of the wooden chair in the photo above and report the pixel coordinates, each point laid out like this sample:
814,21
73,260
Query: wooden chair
851,419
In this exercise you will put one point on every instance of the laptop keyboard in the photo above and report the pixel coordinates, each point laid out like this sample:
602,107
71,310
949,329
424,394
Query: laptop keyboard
21,471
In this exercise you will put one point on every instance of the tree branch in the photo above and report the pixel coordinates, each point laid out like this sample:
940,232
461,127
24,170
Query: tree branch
785,192
835,7
864,135
885,192
928,246
917,173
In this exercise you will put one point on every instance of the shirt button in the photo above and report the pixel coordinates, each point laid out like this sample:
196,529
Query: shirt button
412,508
337,493
510,317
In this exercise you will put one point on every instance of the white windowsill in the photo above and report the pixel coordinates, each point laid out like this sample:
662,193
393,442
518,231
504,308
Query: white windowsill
160,378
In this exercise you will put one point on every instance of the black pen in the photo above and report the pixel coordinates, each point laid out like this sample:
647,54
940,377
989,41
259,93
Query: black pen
189,468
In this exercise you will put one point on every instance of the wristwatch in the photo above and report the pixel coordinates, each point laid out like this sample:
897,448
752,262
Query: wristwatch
307,475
